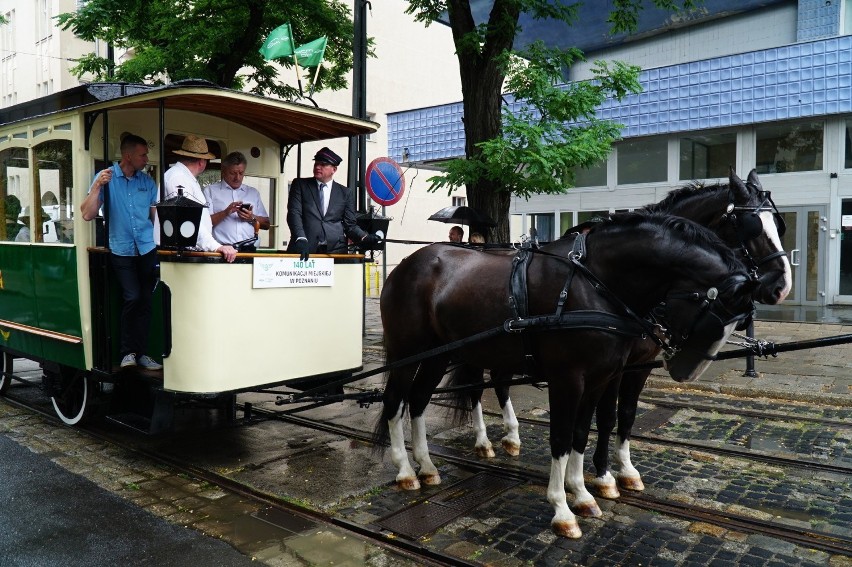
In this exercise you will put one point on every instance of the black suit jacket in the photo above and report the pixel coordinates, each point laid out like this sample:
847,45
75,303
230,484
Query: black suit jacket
305,220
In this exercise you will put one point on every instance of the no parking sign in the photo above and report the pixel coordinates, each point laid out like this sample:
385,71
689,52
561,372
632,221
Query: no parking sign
385,181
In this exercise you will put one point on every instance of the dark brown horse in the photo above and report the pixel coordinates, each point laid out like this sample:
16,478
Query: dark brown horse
441,294
744,216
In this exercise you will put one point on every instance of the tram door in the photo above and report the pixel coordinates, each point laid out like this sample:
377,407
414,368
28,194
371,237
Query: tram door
804,242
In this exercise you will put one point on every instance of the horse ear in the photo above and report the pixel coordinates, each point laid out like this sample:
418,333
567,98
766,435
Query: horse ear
753,180
738,190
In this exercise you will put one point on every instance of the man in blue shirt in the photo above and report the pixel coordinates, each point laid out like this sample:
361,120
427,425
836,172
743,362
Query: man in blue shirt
133,254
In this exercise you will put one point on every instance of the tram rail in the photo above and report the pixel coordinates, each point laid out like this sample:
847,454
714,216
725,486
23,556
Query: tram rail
808,538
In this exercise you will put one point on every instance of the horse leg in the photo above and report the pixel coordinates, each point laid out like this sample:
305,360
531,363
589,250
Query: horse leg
564,523
427,379
604,482
511,442
469,376
406,479
584,503
628,399
390,426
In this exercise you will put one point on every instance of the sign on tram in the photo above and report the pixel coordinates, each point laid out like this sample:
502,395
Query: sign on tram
385,181
292,272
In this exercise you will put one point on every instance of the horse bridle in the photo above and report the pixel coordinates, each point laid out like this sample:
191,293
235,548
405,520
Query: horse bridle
712,316
712,313
748,226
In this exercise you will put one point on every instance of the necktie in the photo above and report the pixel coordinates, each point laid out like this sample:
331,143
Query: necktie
322,198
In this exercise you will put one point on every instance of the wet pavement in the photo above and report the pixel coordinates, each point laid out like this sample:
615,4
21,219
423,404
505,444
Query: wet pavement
325,472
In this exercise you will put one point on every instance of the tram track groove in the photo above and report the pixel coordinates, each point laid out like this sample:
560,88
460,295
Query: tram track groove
707,447
690,512
410,549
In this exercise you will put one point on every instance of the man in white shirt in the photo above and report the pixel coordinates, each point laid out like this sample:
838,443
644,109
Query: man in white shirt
236,209
192,161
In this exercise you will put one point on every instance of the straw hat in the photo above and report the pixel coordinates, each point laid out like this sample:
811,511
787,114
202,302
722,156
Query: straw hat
194,146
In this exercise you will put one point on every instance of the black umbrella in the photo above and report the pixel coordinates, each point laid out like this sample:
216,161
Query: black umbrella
462,215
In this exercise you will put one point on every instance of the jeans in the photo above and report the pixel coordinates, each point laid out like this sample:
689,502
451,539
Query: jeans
136,275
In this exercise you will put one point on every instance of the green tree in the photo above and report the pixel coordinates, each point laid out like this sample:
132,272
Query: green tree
535,150
216,40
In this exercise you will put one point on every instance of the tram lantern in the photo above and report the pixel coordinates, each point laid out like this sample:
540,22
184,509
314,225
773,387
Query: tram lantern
180,218
373,223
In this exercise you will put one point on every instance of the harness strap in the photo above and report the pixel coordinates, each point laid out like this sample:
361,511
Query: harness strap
578,252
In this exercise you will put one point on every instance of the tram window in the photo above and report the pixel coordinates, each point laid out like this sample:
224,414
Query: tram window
790,147
14,190
54,195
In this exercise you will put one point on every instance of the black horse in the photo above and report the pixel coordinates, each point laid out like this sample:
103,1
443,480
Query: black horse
745,217
625,265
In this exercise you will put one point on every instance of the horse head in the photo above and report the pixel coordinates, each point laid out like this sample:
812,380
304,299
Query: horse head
758,227
744,216
705,289
699,322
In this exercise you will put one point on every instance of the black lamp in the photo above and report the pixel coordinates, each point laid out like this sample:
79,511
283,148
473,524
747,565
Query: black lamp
371,223
180,218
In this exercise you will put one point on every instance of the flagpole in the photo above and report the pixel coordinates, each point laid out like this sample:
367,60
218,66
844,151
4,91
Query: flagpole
296,62
316,73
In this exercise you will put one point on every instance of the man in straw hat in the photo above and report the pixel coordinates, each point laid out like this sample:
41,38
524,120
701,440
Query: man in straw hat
133,254
321,212
192,161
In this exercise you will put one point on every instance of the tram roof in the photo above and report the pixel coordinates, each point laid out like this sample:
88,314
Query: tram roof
284,122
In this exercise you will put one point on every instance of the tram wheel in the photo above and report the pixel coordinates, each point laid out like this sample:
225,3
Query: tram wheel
71,401
5,366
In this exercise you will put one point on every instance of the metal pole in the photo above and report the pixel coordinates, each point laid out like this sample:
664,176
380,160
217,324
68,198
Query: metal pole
749,370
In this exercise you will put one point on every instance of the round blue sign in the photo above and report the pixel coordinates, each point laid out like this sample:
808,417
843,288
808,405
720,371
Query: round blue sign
385,181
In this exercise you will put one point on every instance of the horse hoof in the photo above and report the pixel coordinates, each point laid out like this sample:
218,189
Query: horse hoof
588,509
567,529
511,448
408,483
485,452
608,491
430,479
631,483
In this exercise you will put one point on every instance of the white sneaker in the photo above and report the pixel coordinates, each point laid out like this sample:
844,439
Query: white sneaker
128,360
149,363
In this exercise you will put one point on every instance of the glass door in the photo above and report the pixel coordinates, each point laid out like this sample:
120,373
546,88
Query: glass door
804,241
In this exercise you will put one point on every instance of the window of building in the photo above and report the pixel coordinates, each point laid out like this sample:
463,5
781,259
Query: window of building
44,26
789,147
707,156
592,176
642,161
459,201
847,153
566,221
541,227
371,116
584,216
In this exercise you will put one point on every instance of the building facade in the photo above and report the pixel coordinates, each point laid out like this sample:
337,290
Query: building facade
766,88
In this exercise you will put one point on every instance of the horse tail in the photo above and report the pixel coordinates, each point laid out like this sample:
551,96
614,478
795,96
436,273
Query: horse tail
463,401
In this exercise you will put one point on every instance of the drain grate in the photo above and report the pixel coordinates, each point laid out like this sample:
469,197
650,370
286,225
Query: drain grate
428,515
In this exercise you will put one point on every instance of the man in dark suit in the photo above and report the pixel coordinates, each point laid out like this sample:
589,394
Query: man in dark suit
321,212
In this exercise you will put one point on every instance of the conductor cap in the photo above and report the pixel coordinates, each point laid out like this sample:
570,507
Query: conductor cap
325,155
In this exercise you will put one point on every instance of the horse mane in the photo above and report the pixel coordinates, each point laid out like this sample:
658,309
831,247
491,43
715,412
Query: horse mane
688,232
694,189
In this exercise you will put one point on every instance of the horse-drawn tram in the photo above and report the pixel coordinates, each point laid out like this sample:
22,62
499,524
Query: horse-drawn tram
221,328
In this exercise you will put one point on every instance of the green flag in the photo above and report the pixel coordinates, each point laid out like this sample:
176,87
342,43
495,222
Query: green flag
311,54
279,43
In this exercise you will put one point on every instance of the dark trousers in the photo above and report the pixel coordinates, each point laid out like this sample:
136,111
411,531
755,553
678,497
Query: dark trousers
136,275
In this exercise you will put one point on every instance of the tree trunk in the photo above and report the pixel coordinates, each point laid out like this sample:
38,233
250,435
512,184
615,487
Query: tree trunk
482,90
